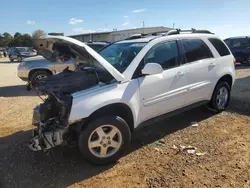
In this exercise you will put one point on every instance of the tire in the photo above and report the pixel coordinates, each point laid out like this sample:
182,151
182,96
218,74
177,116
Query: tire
19,59
123,137
220,103
246,61
34,79
11,59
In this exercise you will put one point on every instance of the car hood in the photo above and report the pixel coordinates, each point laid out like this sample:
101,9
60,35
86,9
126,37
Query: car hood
53,47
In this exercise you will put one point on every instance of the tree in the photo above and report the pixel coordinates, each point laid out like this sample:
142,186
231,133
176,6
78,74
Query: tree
21,40
6,35
37,34
17,34
7,38
27,40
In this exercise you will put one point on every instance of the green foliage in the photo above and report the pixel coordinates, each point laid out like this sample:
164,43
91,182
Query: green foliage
21,40
17,34
7,40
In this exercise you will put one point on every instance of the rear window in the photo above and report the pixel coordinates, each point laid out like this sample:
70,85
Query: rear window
219,46
196,49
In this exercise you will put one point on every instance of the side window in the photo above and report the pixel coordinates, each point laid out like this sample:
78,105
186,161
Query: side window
196,49
166,54
227,41
240,42
219,46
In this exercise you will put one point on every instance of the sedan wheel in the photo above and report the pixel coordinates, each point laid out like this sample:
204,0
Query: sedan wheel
19,59
41,77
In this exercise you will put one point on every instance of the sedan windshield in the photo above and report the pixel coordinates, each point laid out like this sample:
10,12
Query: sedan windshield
24,49
120,55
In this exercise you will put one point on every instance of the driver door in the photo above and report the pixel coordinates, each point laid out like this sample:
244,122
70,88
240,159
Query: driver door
164,92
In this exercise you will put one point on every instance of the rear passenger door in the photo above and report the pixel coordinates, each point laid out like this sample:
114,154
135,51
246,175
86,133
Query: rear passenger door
201,69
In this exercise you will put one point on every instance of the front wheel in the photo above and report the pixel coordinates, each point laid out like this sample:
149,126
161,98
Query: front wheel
39,76
104,140
221,97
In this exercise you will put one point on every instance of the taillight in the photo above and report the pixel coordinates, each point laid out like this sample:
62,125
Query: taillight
234,62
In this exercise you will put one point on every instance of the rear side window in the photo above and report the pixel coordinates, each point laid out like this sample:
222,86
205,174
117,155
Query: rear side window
196,49
219,46
240,42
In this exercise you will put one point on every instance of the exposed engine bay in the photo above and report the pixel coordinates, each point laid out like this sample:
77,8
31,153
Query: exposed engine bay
51,117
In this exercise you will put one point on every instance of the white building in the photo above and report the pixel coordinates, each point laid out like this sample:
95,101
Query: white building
113,36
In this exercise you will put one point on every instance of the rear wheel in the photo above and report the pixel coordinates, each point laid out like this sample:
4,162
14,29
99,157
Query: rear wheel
221,97
39,76
104,140
19,59
246,62
11,58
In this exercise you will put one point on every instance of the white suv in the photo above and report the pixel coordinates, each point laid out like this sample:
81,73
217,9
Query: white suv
127,83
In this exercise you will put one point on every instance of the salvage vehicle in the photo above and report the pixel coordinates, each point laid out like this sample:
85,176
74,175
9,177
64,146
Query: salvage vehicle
127,84
35,69
240,47
19,53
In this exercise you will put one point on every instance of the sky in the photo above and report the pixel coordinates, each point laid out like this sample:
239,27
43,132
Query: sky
224,17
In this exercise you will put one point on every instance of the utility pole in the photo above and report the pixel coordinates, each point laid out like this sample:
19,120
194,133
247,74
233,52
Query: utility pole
173,25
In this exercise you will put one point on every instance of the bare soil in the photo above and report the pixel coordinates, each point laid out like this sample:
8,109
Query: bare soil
156,157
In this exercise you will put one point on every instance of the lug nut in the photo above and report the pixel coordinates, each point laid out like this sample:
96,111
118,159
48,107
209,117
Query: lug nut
104,145
109,142
108,138
101,142
103,137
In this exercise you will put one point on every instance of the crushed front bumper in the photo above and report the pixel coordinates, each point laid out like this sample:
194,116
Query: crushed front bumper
45,141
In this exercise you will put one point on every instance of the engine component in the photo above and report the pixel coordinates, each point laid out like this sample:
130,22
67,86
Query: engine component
46,140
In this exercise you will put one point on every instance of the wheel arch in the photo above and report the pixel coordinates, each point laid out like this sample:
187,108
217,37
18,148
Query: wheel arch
226,78
115,109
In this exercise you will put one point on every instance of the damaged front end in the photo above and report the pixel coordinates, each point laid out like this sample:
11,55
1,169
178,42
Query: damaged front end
51,120
51,117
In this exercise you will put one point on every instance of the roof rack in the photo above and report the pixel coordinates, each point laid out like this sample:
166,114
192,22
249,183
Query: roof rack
169,32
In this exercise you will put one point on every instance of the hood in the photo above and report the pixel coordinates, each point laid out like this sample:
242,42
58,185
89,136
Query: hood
56,48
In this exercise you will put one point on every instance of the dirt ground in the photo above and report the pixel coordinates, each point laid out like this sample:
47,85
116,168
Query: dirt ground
156,158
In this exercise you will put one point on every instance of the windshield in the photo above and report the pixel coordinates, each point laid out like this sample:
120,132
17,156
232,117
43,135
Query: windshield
120,55
23,49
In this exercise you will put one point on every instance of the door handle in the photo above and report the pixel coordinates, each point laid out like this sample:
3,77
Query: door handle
212,65
179,74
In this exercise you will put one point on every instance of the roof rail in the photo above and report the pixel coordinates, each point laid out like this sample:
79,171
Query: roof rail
169,32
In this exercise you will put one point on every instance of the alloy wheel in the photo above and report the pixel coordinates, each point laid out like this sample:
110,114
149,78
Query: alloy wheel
105,141
222,97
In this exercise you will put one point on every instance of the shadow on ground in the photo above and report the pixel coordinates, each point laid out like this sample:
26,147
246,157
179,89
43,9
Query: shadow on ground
16,91
23,168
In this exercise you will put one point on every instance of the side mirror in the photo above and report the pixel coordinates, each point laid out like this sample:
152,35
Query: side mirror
152,68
